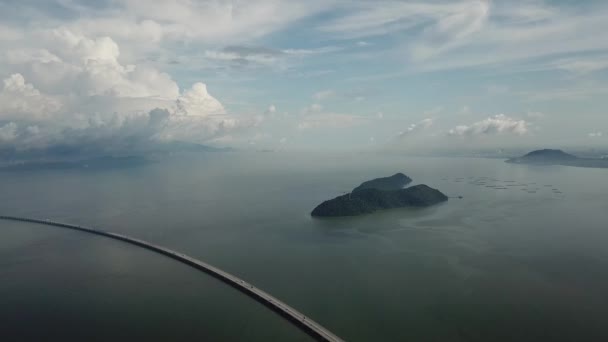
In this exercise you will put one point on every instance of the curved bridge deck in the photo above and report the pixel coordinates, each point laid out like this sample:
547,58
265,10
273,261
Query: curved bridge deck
309,326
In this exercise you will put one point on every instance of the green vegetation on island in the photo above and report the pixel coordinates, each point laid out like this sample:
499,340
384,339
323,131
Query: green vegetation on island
390,194
394,182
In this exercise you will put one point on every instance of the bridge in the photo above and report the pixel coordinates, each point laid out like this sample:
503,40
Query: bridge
307,325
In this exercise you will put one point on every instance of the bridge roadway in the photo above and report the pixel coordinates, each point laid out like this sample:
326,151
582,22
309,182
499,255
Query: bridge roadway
307,325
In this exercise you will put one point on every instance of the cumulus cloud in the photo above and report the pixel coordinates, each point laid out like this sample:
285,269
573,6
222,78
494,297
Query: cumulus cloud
197,102
416,127
594,135
72,89
68,61
21,101
498,124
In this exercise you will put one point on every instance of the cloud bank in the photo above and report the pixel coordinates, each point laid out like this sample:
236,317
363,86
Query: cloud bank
498,124
72,90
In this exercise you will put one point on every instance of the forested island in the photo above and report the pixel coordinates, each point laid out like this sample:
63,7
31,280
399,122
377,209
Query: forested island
394,182
380,193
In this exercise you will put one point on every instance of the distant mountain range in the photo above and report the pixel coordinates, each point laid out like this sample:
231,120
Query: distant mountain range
558,157
78,157
84,151
97,164
181,146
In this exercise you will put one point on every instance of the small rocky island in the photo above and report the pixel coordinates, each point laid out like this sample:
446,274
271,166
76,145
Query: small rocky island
380,193
558,157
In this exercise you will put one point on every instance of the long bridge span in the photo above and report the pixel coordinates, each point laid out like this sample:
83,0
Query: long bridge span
298,319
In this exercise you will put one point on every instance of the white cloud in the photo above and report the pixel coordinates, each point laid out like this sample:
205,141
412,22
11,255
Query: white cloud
271,109
312,51
442,35
155,32
246,56
366,19
256,57
498,124
21,101
74,71
197,102
63,60
516,35
208,21
417,127
31,56
426,123
451,30
595,135
582,65
86,96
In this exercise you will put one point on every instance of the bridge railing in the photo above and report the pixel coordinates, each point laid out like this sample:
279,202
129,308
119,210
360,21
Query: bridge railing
309,326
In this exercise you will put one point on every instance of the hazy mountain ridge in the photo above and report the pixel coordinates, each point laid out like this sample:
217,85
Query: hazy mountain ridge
101,163
558,157
75,157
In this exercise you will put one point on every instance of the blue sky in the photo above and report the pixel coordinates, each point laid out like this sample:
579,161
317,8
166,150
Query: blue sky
403,75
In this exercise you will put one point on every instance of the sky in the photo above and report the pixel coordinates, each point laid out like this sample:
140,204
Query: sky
115,75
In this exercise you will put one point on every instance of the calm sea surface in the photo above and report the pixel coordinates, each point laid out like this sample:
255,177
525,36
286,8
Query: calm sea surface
522,257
